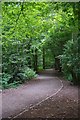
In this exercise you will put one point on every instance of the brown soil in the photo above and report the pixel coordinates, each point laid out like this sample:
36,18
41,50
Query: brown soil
62,105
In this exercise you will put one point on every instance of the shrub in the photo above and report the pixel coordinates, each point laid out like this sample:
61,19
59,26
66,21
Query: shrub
70,61
12,81
5,79
29,73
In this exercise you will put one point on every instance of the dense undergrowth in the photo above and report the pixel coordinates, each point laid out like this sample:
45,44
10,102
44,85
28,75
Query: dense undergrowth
17,78
70,61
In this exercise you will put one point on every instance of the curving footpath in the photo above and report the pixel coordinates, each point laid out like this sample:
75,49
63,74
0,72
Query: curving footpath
16,101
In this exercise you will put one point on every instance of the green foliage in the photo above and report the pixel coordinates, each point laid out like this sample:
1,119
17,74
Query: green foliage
22,76
5,79
70,60
27,28
29,73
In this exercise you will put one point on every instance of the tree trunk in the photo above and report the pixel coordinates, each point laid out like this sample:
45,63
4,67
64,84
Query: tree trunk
35,63
43,58
29,59
78,75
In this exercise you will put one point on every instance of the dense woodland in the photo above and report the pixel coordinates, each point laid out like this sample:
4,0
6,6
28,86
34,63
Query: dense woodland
37,36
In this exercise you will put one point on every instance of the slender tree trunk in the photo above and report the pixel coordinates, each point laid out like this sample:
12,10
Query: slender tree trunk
43,58
29,59
35,61
56,66
78,75
79,17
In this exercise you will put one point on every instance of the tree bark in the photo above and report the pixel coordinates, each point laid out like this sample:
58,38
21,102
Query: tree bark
29,58
35,63
78,75
43,58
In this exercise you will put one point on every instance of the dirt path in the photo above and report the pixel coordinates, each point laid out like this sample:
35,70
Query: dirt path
64,105
16,101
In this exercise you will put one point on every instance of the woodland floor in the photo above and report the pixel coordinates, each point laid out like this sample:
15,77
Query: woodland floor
61,104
